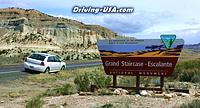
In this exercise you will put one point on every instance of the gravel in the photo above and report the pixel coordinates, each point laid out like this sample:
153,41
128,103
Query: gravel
118,101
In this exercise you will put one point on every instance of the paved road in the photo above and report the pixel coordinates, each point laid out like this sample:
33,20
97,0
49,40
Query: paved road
12,72
19,68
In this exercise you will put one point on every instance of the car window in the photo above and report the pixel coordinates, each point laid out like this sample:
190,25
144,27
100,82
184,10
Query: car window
50,59
37,57
56,59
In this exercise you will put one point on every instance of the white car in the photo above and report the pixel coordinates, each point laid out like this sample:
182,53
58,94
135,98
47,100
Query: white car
44,62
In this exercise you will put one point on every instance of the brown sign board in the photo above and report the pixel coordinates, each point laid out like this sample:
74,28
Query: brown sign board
139,57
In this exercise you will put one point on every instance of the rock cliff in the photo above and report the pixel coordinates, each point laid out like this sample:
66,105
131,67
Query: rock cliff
21,27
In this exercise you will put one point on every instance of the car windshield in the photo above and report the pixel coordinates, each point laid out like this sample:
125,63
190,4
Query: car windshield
37,57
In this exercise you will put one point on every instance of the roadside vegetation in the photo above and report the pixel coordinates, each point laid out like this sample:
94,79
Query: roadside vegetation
84,82
37,102
17,55
187,71
11,60
193,104
80,80
70,82
66,89
13,56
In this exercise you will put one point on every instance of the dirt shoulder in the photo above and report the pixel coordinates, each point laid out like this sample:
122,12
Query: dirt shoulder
126,101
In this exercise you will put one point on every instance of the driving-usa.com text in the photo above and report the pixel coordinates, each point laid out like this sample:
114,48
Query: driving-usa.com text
104,9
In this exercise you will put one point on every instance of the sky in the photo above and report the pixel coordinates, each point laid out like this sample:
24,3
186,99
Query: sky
150,19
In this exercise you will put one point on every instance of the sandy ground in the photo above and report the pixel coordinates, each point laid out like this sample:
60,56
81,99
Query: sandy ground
16,95
127,101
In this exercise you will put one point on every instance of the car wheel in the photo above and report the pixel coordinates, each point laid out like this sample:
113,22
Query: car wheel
47,70
62,68
26,70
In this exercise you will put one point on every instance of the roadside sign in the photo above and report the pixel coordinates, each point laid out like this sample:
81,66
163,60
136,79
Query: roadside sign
140,57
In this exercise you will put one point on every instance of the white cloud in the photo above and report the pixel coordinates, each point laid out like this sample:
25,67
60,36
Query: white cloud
128,23
145,24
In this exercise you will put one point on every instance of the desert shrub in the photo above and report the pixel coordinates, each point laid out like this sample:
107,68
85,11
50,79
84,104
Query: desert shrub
193,104
11,60
178,85
35,102
130,81
3,52
190,75
66,89
126,81
187,71
83,82
100,80
196,78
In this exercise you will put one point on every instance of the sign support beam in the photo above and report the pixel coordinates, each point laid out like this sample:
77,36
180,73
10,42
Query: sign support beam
161,82
137,84
114,80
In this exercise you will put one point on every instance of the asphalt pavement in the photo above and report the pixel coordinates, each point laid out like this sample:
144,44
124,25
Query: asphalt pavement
19,67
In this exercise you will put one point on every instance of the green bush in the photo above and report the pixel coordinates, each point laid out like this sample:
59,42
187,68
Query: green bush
83,82
66,89
128,81
11,60
188,71
3,52
100,80
190,75
35,102
193,104
196,78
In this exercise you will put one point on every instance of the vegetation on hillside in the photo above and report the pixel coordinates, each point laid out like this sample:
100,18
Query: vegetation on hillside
17,55
187,71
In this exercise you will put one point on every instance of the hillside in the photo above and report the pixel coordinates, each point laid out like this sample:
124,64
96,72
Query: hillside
193,47
31,28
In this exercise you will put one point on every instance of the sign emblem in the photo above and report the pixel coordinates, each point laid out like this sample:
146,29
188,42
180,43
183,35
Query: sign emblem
168,40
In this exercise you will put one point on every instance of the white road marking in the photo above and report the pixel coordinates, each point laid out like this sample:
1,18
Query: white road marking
9,72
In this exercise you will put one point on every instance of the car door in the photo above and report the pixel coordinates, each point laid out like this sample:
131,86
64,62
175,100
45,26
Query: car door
52,63
57,63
